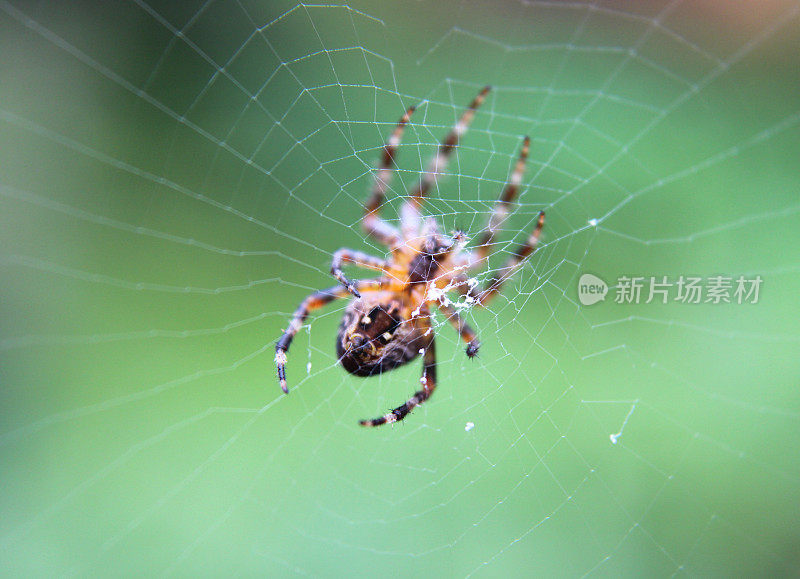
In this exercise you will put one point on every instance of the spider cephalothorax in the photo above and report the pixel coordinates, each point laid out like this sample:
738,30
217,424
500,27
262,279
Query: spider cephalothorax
388,321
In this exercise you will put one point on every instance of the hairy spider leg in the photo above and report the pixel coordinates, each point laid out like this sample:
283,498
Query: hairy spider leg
463,328
429,228
373,224
447,261
314,302
503,205
428,381
493,286
410,215
345,255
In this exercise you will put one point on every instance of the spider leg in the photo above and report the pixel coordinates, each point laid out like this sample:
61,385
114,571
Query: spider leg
373,224
428,382
442,249
503,205
359,258
313,302
463,328
493,286
410,211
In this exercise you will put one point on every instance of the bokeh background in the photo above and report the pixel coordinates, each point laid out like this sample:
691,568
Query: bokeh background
174,178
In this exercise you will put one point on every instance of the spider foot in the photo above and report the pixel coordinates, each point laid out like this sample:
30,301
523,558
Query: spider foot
394,416
280,361
459,236
349,285
373,422
472,348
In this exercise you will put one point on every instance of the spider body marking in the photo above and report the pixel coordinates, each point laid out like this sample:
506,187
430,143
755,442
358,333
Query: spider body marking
379,333
388,322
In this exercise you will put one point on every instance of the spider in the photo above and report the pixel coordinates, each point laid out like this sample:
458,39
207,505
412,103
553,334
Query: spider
388,321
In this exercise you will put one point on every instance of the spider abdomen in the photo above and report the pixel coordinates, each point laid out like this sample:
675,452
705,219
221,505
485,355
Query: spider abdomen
376,337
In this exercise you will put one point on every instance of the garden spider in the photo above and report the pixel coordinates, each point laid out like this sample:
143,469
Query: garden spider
388,323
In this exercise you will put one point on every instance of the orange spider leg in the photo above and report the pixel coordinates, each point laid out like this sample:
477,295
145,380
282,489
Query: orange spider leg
373,224
410,211
503,205
493,286
359,258
428,381
314,302
463,328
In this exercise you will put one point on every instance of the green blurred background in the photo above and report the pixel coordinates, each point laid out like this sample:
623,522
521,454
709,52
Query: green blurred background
174,179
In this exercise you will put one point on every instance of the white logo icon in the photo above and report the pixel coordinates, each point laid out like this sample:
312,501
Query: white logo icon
591,289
